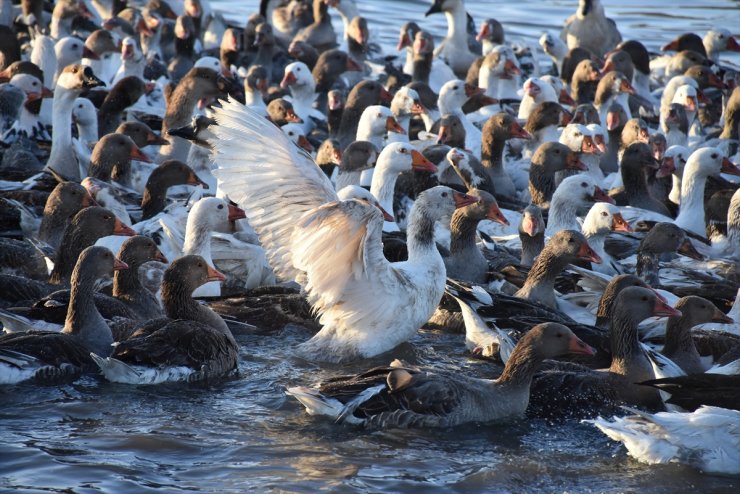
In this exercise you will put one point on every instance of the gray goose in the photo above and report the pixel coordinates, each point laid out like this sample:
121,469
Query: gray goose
50,356
401,397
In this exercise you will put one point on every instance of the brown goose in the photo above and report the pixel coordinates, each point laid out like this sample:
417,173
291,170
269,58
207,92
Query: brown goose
564,247
663,238
679,346
166,175
531,234
321,33
193,343
356,158
637,162
586,78
141,134
550,158
125,93
66,200
48,356
364,94
111,158
496,131
582,391
399,396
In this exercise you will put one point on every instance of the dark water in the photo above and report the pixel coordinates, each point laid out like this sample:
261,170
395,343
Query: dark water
245,435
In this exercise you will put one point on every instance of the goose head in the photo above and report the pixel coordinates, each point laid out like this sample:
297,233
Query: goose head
459,160
256,80
491,33
70,50
335,100
441,201
578,138
439,6
174,172
571,246
675,118
553,46
453,95
635,130
407,35
613,83
556,83
717,40
547,114
581,190
423,45
188,273
402,157
102,43
600,138
658,144
549,340
84,113
687,96
406,102
212,214
361,194
139,249
485,209
501,63
616,118
637,303
98,263
214,64
281,112
142,135
129,50
620,61
33,88
451,130
532,223
675,157
603,218
376,120
359,155
668,238
297,74
554,156
76,78
329,153
710,161
296,134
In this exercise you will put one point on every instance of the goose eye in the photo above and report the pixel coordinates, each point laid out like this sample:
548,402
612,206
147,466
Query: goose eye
644,298
584,184
604,213
291,134
297,69
220,206
455,87
444,194
106,217
200,265
404,151
559,335
714,156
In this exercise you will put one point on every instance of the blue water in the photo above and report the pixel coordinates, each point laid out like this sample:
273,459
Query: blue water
244,435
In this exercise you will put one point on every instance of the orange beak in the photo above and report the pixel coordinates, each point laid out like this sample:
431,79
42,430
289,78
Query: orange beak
236,213
136,154
612,121
118,264
732,44
471,90
385,96
510,69
588,146
601,196
122,230
391,125
529,225
662,308
565,98
494,214
418,108
303,143
626,87
574,162
576,345
462,200
214,275
420,163
443,135
729,167
619,224
600,143
352,65
586,253
690,103
158,256
482,33
672,46
288,79
292,117
518,132
666,167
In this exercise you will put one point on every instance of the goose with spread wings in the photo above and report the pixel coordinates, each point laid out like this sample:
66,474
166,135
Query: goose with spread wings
332,247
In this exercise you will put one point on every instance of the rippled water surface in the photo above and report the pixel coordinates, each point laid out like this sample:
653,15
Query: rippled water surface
243,435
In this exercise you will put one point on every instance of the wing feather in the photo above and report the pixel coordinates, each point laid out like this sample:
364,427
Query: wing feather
274,181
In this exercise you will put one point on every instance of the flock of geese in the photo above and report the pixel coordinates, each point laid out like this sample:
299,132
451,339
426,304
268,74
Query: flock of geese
578,220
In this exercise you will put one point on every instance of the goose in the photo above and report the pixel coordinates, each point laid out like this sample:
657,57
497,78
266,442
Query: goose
536,91
616,120
582,390
425,69
65,201
255,83
454,48
28,125
64,13
661,239
85,117
348,325
601,219
704,439
439,71
167,174
198,85
404,105
280,112
702,163
590,28
573,194
303,93
564,247
555,49
490,35
105,46
674,124
357,157
549,158
531,234
394,159
192,344
52,356
497,130
543,125
320,34
676,156
580,139
614,87
637,162
679,346
70,84
111,159
364,94
132,61
585,81
465,260
452,96
718,40
403,397
499,74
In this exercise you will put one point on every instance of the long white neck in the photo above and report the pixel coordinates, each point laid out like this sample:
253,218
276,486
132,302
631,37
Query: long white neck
384,183
365,133
408,66
457,25
507,88
253,99
691,211
562,216
304,93
675,194
88,133
488,81
197,240
61,141
446,106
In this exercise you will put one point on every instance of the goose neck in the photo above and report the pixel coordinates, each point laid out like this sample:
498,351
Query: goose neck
420,235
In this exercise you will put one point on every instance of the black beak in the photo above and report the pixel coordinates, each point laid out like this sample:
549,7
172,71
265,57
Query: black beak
186,132
436,8
90,81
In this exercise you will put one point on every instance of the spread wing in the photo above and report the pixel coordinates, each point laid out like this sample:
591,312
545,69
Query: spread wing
274,181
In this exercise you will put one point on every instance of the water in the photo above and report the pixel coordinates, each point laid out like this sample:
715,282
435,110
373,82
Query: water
245,435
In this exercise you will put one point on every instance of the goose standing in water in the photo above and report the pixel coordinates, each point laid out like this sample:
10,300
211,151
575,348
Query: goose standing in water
367,305
403,397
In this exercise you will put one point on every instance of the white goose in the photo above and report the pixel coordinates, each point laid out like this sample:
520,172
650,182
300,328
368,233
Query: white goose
454,48
302,93
85,116
375,122
28,124
702,164
368,305
452,97
573,194
395,158
133,61
707,439
405,104
601,219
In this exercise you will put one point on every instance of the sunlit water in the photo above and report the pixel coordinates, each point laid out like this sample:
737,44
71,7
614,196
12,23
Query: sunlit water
244,435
